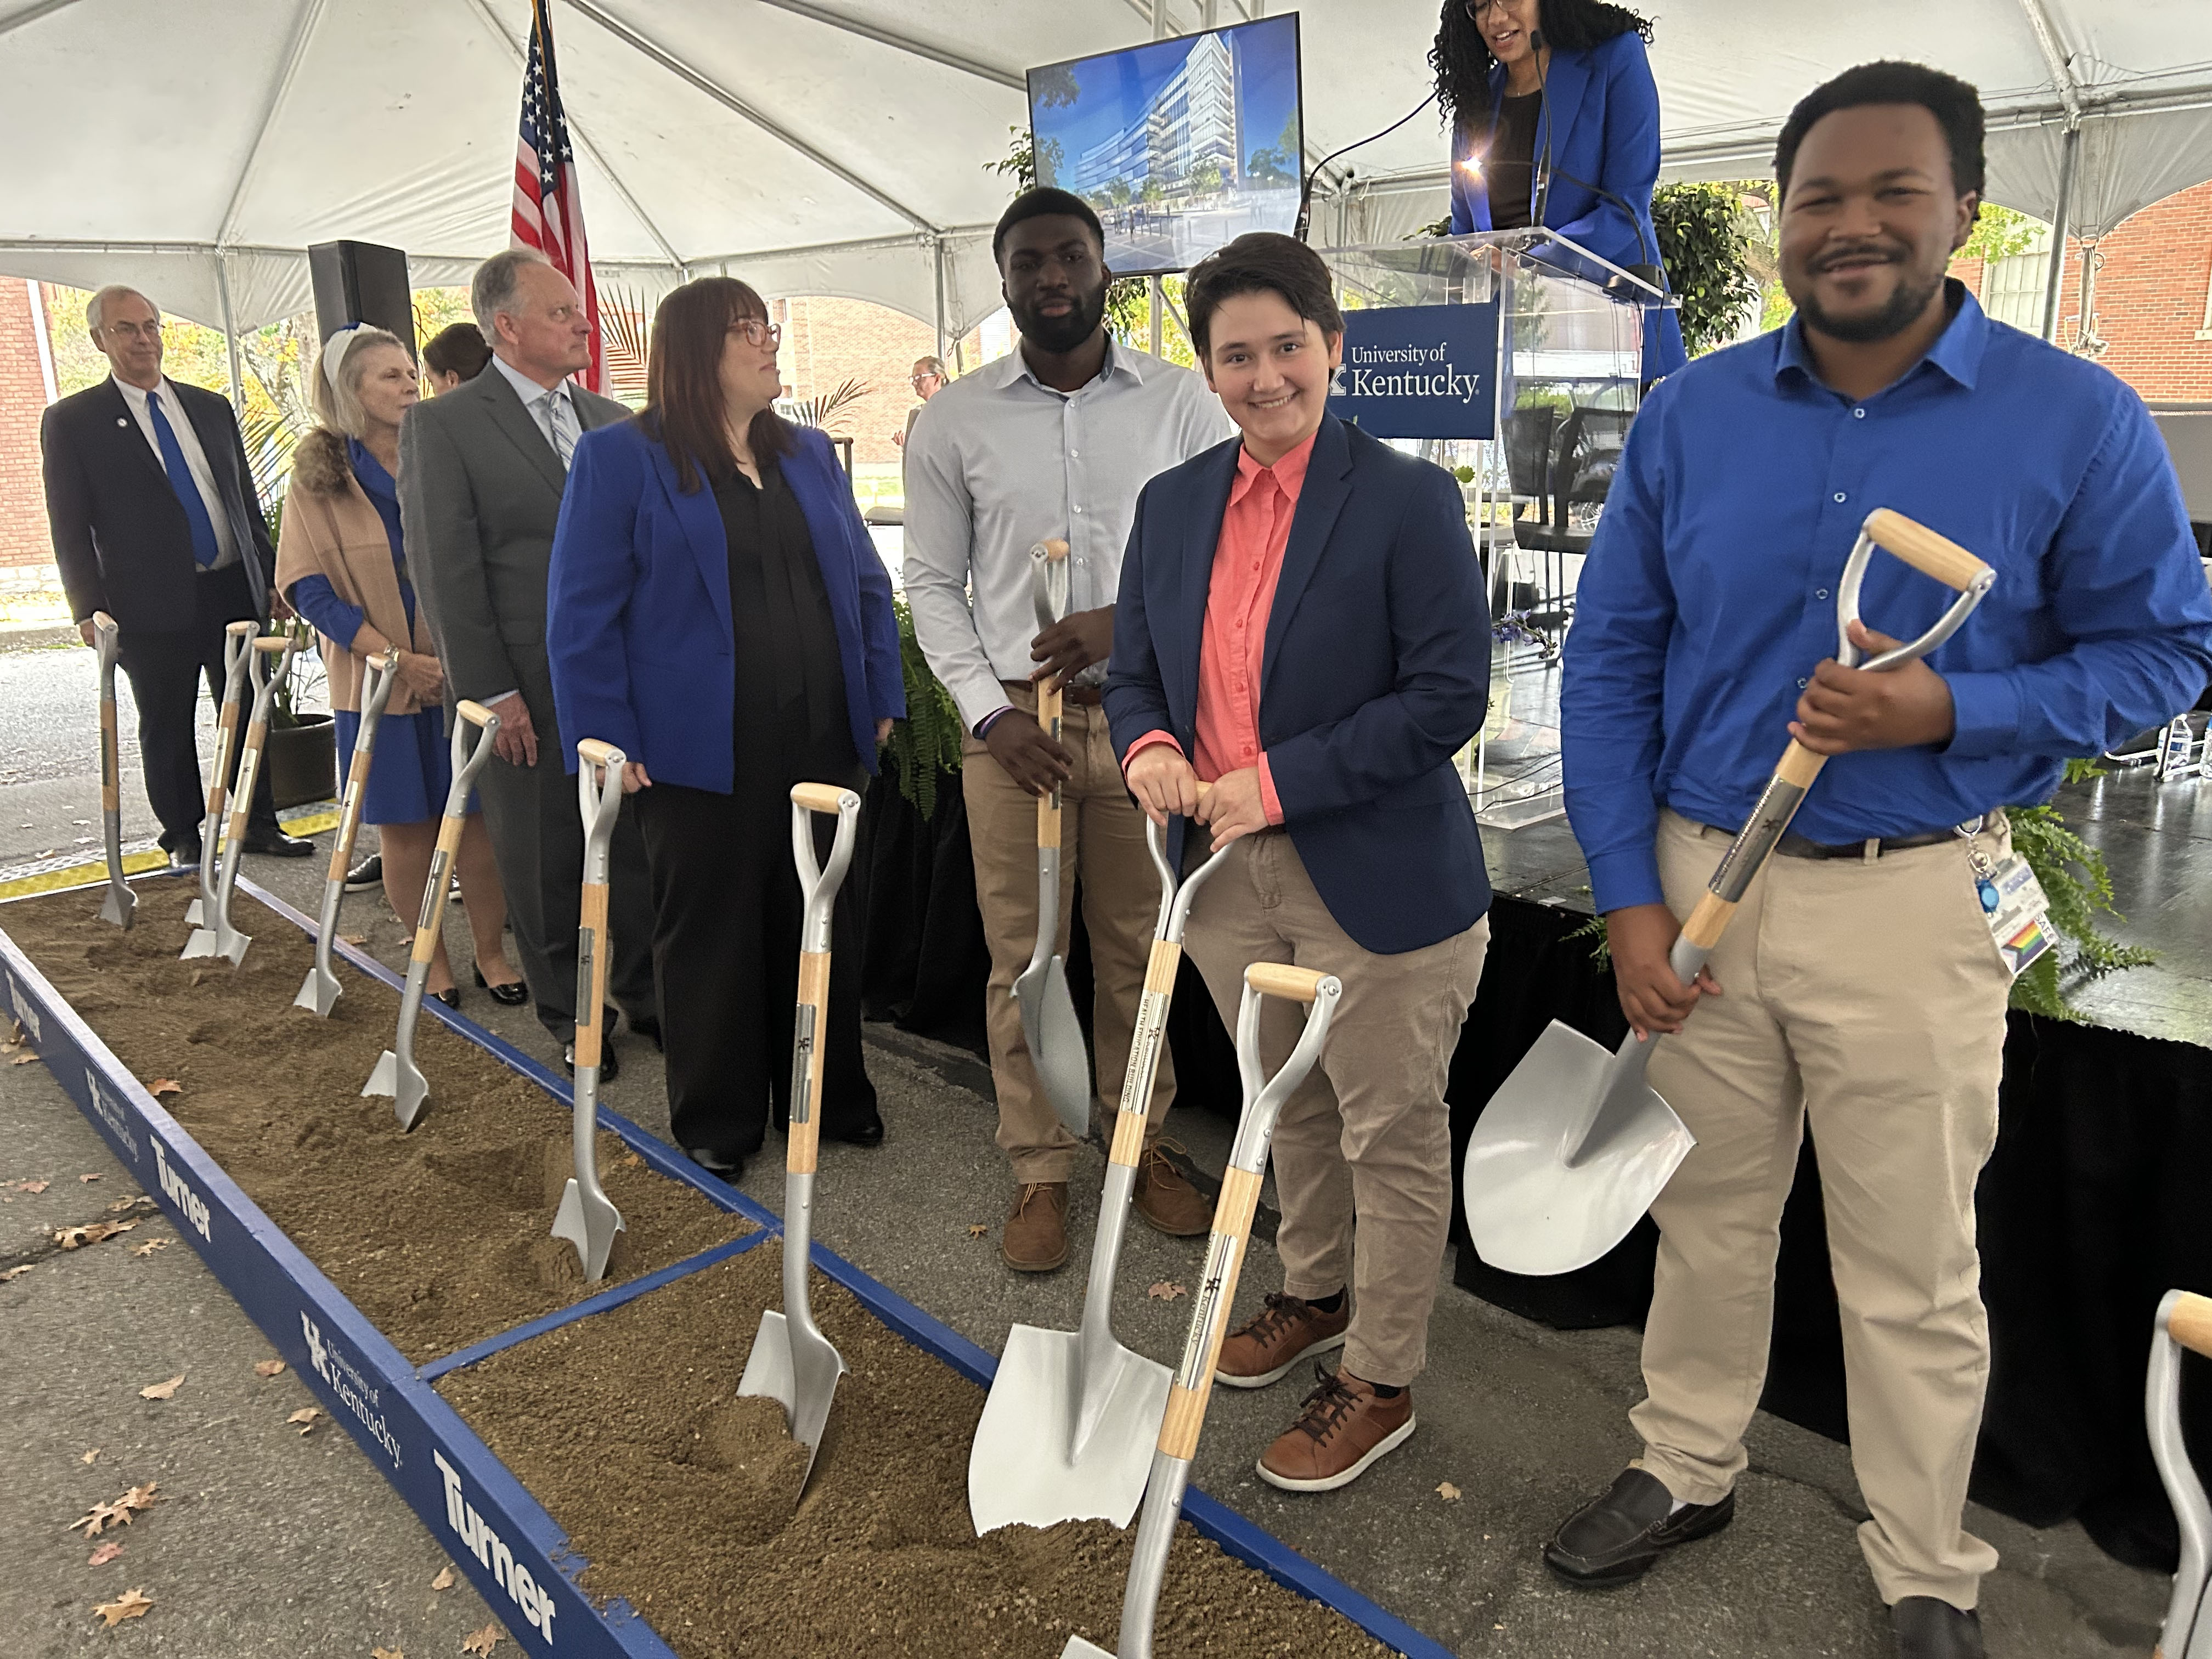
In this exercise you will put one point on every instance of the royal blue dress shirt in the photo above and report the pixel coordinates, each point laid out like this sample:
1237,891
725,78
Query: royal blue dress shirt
1708,598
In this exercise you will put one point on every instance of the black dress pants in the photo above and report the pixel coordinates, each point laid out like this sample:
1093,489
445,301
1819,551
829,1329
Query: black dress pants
727,910
166,670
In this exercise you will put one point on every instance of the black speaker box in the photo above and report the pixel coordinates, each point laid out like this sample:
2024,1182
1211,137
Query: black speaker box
362,282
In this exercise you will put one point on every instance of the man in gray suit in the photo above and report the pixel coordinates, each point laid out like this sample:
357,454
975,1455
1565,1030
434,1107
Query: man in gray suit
481,475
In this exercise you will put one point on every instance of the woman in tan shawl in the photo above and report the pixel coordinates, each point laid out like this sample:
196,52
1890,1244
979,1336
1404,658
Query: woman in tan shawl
341,564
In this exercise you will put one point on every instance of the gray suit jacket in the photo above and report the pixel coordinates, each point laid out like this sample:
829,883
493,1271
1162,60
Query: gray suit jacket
479,497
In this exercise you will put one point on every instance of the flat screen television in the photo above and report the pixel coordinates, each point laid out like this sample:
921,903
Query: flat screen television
1181,145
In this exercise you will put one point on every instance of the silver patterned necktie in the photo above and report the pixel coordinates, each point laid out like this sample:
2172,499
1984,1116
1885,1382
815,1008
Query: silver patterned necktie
557,427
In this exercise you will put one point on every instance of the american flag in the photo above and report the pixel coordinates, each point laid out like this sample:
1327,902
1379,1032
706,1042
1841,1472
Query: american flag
547,215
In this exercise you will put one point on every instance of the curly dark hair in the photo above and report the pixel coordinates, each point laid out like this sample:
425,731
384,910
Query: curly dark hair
1462,63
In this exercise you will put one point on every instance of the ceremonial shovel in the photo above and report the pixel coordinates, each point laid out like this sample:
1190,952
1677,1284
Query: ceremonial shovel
237,639
396,1073
1066,1432
1575,1144
587,1218
121,904
791,1362
222,939
1209,1313
319,994
1048,1023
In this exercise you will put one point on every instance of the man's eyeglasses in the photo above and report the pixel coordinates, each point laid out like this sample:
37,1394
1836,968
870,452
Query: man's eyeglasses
920,380
756,332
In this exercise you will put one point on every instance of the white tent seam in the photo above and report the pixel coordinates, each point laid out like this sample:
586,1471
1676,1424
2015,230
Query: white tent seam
32,14
900,43
303,29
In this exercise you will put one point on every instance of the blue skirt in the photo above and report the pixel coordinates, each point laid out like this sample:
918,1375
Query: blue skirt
412,770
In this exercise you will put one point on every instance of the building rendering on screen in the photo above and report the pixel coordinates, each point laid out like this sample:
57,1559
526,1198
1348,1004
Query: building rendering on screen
1185,138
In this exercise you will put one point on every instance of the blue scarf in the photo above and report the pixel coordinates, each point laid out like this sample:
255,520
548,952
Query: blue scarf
383,493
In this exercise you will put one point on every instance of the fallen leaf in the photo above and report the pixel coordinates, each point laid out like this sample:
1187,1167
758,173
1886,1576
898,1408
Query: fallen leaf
305,1416
33,1185
1166,1290
162,1390
118,1514
164,1085
123,1204
92,1456
151,1245
105,1553
978,1230
7,1273
443,1581
386,1653
355,938
133,1605
1449,1493
23,1059
93,1176
72,1238
268,1367
482,1642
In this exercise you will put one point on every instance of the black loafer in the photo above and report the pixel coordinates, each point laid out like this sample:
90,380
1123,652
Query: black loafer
610,1067
648,1029
1616,1538
720,1165
275,844
184,860
1928,1628
450,996
513,994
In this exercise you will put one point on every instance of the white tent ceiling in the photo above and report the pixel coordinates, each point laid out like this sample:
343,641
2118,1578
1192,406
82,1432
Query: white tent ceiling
194,148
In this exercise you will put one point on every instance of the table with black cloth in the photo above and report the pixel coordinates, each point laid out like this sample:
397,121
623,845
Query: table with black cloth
2092,1208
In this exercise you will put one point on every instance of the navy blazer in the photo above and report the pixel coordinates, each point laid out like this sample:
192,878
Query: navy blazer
1601,108
1376,673
637,616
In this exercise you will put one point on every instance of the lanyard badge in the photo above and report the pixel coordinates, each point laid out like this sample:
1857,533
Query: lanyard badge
2012,905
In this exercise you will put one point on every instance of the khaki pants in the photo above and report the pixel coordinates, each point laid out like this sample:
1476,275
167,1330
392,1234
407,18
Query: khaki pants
1101,836
1863,997
1363,1150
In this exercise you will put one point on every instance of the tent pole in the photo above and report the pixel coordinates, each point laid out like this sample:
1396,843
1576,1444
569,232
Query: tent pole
2069,162
937,243
1159,20
229,331
1153,287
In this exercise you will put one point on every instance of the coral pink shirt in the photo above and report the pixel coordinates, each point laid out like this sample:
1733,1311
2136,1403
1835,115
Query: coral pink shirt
1239,596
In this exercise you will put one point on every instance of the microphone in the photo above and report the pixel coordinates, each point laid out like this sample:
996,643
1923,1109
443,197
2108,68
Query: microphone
1540,191
1652,270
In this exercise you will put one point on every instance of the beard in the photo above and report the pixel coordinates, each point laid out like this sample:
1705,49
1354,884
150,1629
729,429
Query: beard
1063,334
1906,303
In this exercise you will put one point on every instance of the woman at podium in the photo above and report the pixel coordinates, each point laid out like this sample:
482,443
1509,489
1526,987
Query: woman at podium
1555,122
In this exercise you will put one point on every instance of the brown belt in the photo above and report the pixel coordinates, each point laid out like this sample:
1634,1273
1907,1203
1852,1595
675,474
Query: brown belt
1089,696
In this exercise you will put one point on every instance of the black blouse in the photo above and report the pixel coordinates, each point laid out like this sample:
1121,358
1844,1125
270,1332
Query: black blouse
790,690
1510,171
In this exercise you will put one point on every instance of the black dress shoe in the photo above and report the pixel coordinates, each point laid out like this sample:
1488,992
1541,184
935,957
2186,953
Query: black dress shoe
1928,1628
610,1068
1616,1538
722,1166
368,873
648,1029
185,859
450,996
513,994
275,844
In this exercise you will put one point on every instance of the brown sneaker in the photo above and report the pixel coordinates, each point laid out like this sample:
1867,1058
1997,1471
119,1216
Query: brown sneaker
1343,1427
1036,1239
1286,1330
1167,1200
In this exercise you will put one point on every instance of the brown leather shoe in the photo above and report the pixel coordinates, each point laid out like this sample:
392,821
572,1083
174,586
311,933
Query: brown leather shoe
1343,1427
1167,1200
1036,1239
1286,1330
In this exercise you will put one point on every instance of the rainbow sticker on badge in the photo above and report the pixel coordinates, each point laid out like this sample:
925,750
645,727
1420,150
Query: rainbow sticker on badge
2024,946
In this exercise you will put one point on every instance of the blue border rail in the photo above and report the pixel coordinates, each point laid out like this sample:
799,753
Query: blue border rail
499,1535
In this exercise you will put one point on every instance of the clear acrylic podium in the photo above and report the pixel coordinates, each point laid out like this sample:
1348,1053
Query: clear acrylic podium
1564,387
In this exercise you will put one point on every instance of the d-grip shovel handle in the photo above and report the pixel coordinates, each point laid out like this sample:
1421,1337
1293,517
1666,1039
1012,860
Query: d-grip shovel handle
263,680
377,679
1049,598
106,640
466,763
236,637
820,883
1926,551
1152,1003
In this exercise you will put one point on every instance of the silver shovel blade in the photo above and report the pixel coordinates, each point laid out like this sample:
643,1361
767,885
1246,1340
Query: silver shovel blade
1529,1212
231,946
1076,1648
1055,1041
590,1223
798,1370
319,994
201,943
193,916
119,906
1031,1464
384,1079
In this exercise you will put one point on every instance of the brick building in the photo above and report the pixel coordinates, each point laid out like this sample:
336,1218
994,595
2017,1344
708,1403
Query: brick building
26,387
2151,305
827,342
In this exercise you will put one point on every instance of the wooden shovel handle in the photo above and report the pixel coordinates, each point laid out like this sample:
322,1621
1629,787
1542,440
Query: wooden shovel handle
2190,1323
593,752
273,643
1054,549
802,1149
474,712
1280,979
591,1029
1926,551
1049,717
818,797
1224,1261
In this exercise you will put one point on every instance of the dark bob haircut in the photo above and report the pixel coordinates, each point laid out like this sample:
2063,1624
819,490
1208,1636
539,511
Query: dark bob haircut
458,350
684,405
1956,106
1462,58
1035,205
1261,261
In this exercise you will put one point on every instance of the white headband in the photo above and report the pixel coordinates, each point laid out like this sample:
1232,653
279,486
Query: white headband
335,349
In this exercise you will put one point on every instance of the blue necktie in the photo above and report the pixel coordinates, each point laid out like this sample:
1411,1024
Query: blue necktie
205,548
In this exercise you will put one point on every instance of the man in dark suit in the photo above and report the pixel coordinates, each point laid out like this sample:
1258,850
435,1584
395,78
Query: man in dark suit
482,470
155,521
1302,624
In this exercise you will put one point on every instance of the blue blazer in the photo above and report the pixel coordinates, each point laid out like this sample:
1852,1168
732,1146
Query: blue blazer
1601,109
1375,673
637,616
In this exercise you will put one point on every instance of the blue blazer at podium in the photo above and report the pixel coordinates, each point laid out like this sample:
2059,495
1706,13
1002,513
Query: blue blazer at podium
1602,110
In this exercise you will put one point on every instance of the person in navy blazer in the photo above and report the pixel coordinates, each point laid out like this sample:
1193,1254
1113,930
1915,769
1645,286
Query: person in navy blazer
717,611
1301,626
1514,74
